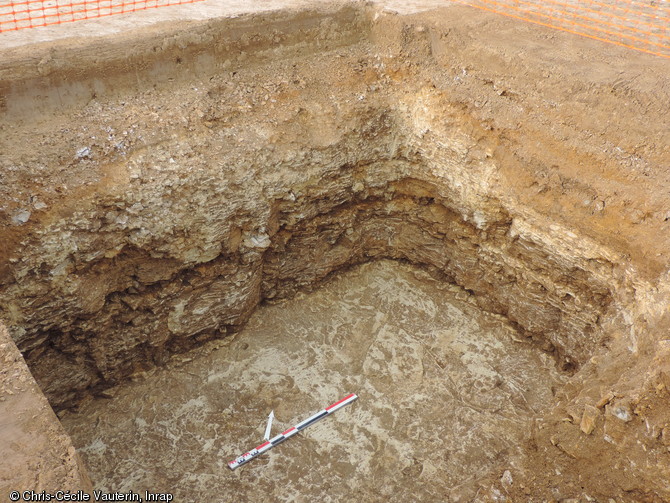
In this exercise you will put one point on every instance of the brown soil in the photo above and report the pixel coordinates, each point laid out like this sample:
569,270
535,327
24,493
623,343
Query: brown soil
37,453
186,173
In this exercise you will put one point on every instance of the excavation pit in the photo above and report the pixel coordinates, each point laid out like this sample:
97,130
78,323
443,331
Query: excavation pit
485,256
447,396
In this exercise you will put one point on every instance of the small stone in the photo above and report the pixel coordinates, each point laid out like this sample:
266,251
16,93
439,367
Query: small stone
21,217
83,153
607,398
622,412
261,241
589,418
664,380
506,479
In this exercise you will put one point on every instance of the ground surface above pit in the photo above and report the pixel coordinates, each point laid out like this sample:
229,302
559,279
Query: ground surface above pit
208,9
447,394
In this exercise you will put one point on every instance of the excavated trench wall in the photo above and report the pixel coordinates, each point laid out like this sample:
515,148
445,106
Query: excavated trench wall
271,182
157,192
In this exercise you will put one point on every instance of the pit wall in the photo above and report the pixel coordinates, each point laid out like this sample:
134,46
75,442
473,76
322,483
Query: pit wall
38,455
256,181
176,188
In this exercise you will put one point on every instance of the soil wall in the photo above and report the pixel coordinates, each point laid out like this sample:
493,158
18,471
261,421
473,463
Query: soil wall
159,186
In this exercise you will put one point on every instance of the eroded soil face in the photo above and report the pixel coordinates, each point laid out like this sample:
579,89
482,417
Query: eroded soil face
447,396
255,181
187,175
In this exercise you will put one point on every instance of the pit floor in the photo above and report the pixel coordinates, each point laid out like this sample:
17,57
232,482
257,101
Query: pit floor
447,395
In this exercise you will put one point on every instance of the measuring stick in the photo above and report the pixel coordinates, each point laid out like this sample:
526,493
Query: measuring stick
269,444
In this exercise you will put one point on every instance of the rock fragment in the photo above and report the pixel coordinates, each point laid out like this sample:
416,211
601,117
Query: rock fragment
506,480
622,411
83,153
21,217
589,419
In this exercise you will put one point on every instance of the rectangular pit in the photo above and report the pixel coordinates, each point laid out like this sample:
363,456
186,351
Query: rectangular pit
443,388
178,186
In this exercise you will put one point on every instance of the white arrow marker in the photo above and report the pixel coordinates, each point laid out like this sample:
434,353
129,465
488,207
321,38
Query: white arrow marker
269,426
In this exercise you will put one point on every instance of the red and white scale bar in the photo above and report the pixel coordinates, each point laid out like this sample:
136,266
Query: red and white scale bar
248,456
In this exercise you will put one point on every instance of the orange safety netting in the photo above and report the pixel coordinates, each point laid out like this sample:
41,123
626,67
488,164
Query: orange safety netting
639,25
19,14
643,25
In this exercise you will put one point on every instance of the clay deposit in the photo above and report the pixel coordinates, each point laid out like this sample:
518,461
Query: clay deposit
160,185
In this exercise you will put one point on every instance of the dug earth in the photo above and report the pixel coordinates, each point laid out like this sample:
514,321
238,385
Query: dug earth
160,184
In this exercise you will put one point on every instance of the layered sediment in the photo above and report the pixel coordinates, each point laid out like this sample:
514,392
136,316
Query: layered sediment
179,184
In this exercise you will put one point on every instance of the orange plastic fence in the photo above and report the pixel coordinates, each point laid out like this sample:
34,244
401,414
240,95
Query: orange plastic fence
20,14
643,25
640,25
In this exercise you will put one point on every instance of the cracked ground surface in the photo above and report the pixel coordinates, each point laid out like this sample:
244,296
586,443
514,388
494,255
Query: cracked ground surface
447,397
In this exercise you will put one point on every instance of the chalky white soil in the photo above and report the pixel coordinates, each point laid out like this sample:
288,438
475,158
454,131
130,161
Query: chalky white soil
447,397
